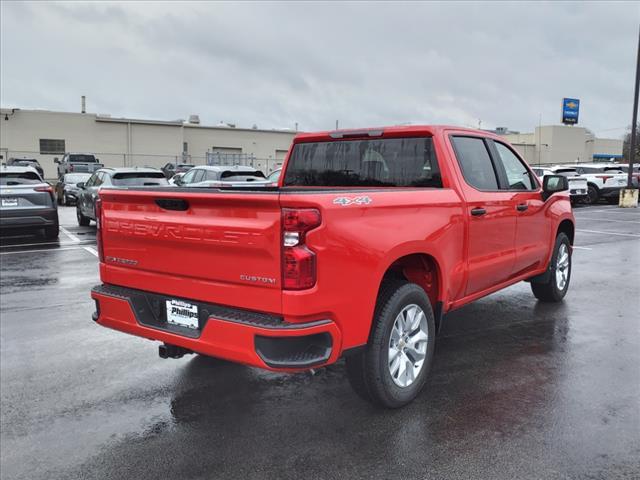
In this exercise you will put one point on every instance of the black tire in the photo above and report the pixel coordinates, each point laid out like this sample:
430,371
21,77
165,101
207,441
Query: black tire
593,195
368,370
51,233
549,291
82,220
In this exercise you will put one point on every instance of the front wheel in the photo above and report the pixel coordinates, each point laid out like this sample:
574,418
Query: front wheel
393,367
82,220
593,195
555,287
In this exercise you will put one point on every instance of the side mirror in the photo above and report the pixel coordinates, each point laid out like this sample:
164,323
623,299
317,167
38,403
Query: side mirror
178,180
55,160
554,183
80,185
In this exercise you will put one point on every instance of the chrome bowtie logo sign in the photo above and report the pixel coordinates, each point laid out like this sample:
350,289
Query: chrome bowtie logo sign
344,201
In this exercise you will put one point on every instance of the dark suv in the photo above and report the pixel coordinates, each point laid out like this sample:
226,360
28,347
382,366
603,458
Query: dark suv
26,162
27,201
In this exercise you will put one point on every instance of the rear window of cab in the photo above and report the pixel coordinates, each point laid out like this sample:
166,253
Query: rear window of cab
383,162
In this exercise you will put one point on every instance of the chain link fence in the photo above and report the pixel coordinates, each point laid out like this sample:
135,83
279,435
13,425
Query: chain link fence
109,159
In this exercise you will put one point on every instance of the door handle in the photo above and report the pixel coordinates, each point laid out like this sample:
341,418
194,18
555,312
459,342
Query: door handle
521,207
477,212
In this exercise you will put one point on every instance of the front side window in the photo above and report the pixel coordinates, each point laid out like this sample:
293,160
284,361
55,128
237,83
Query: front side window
518,176
188,177
91,181
385,162
98,180
475,162
198,176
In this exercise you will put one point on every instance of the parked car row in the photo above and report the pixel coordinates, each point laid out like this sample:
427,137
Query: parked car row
589,183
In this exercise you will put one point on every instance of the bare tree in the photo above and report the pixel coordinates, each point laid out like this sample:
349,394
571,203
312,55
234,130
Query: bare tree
627,143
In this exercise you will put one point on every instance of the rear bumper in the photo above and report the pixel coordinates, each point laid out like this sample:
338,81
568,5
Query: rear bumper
242,336
25,218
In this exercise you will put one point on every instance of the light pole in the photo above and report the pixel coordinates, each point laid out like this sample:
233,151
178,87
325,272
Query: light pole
634,120
629,195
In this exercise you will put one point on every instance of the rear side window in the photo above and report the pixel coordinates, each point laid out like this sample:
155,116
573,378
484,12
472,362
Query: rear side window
139,179
386,162
475,162
518,177
19,178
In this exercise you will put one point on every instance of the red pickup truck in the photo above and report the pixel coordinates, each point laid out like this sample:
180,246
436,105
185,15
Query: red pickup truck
368,239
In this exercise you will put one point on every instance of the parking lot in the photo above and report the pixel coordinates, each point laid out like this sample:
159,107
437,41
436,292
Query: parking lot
519,389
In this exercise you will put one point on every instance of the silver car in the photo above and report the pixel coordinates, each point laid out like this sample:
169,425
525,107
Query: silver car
27,201
223,176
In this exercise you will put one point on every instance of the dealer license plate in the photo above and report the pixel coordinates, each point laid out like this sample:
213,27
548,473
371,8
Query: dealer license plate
10,202
182,313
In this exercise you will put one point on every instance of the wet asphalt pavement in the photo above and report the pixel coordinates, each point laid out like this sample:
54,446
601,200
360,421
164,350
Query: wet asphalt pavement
518,389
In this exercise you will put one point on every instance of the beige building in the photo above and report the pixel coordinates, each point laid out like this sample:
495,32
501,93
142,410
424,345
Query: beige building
46,135
554,144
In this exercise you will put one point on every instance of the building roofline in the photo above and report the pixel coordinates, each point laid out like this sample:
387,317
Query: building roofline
141,121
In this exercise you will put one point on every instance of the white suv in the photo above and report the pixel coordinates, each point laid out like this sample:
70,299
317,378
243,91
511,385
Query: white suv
578,188
604,180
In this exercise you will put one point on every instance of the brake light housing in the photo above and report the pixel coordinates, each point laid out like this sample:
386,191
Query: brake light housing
48,189
99,244
299,269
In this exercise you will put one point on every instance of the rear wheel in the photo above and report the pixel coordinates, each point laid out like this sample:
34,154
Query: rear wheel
393,367
557,284
593,195
82,220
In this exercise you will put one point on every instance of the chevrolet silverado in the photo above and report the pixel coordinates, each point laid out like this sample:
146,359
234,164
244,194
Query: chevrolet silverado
369,238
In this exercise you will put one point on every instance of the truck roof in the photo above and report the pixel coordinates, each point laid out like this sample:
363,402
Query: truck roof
130,169
390,131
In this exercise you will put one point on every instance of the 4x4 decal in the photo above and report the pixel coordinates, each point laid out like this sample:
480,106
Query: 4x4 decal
344,201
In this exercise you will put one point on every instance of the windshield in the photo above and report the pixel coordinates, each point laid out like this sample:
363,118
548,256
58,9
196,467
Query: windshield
19,178
139,179
567,172
82,158
391,162
76,177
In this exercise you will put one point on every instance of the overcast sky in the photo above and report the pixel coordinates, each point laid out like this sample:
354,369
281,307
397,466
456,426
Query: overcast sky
366,64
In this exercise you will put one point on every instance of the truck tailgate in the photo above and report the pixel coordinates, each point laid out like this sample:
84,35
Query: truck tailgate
215,246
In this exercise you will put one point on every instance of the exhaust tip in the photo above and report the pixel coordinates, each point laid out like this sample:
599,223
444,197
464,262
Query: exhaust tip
172,351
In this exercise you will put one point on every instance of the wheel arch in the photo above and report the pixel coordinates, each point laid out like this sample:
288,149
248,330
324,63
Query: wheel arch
422,269
567,227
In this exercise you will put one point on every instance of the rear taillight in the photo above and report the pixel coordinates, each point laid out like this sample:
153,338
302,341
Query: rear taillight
48,189
98,210
298,261
604,178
